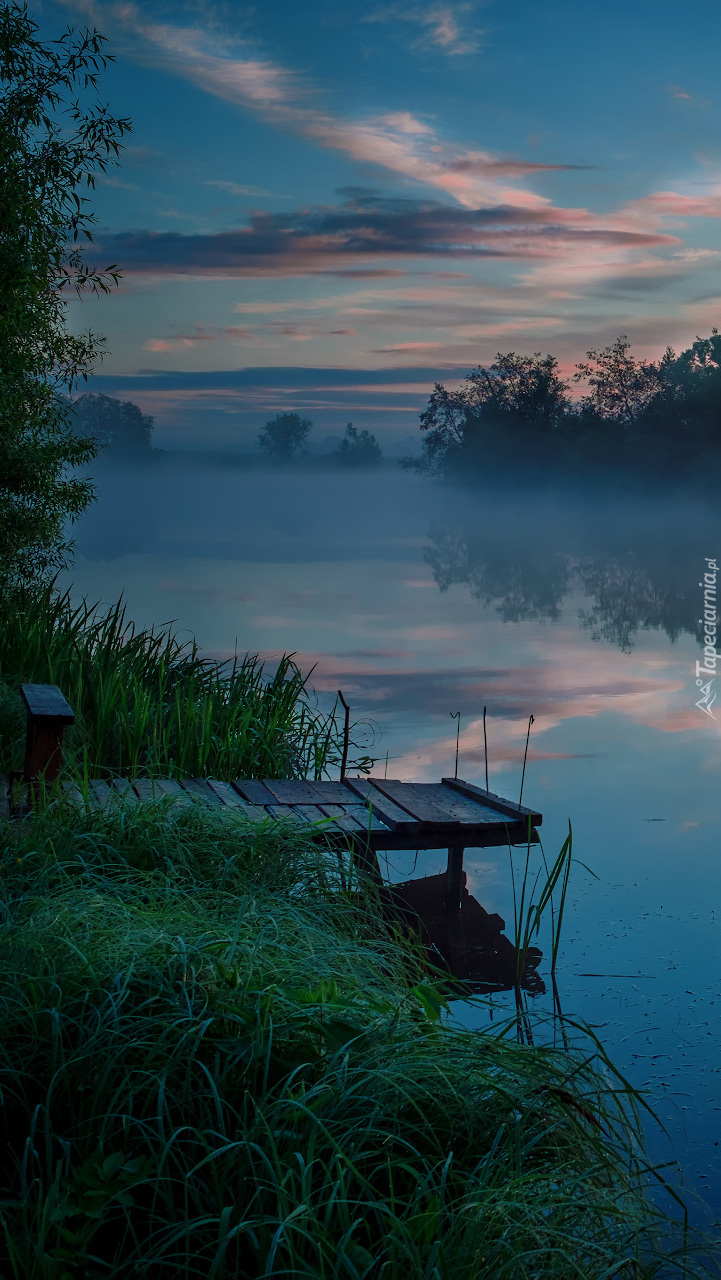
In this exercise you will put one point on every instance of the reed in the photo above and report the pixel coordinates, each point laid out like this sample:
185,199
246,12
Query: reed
148,703
217,1063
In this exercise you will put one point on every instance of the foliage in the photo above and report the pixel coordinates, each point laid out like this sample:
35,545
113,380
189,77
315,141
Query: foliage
113,424
661,417
284,435
52,147
147,703
187,1094
358,448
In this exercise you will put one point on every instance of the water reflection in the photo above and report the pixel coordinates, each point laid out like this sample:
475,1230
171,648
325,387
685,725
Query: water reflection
470,943
635,578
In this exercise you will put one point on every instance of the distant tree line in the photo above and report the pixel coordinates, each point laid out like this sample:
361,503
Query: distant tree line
284,438
117,425
518,414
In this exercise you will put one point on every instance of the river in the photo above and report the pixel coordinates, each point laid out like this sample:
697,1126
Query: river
419,601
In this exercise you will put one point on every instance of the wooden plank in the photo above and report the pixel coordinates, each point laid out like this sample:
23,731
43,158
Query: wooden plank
312,813
285,811
395,818
73,794
145,789
101,793
409,796
507,807
199,789
255,792
123,788
333,792
226,794
362,815
458,806
291,790
46,702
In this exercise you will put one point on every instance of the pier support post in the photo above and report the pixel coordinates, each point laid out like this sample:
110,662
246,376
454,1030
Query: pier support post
48,714
454,878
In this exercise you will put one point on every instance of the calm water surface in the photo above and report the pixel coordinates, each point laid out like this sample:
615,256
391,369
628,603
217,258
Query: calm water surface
418,602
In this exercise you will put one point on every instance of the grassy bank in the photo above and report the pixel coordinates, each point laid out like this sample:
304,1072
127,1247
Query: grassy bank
147,702
215,1062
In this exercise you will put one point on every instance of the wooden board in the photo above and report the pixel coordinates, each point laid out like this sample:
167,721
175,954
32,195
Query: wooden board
101,793
285,811
412,798
333,792
199,788
123,787
46,702
395,818
291,791
255,792
226,794
362,815
506,807
311,813
461,806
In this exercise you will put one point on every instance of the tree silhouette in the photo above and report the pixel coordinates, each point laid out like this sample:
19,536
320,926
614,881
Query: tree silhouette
358,448
113,424
284,435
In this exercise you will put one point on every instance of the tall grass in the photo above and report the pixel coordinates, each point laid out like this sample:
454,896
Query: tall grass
215,1062
147,702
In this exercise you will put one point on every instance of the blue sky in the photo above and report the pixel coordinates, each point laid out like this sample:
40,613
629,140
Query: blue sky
401,187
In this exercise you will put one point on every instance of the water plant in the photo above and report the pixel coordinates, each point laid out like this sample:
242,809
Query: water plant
147,702
215,1061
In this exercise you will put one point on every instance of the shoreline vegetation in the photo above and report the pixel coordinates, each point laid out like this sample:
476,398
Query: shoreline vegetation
187,1093
221,1058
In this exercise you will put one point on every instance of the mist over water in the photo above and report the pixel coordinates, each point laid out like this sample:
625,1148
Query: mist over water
420,600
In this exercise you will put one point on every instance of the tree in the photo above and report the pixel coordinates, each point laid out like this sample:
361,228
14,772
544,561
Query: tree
52,146
284,435
518,400
620,387
358,448
113,424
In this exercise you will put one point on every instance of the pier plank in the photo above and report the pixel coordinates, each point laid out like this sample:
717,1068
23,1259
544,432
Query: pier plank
291,791
255,792
411,797
227,794
396,819
198,787
519,812
333,792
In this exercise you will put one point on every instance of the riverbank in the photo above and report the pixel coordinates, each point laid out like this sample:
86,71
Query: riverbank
220,1063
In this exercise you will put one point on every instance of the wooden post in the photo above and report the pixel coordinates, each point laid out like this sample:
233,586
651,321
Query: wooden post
454,878
48,714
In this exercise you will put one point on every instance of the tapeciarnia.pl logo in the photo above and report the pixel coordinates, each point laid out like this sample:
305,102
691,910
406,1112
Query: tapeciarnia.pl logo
706,671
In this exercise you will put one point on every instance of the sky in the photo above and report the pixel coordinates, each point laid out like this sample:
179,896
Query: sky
326,207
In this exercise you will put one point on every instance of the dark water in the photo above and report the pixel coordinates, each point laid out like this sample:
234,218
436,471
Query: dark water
419,602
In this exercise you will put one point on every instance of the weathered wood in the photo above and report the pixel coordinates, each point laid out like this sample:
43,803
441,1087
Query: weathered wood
73,795
226,794
311,813
395,818
101,793
348,818
284,811
460,806
255,792
363,816
46,702
506,807
333,792
145,789
411,797
199,788
454,878
124,788
291,791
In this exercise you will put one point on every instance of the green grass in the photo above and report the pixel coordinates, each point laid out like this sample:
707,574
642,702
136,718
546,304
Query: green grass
147,702
215,1062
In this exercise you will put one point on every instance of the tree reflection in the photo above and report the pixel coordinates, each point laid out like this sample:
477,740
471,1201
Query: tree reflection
621,582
